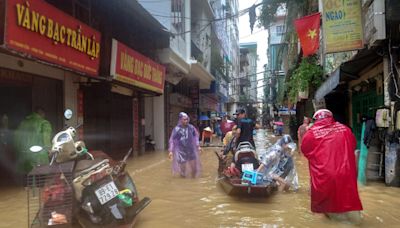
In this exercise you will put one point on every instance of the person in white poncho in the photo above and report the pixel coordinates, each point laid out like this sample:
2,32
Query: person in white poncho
277,164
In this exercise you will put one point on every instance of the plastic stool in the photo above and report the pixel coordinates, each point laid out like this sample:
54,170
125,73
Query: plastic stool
252,176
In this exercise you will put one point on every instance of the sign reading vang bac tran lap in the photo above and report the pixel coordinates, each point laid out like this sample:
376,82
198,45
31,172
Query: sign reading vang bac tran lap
45,32
133,68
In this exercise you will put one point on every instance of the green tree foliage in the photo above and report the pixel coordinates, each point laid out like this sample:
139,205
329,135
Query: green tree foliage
307,74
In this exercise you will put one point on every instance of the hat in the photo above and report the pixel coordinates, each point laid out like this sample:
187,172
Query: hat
207,129
240,111
321,114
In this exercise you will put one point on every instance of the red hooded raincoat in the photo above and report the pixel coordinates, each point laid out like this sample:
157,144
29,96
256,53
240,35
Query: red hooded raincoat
329,146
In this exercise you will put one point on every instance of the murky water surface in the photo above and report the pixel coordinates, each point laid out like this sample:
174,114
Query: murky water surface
201,202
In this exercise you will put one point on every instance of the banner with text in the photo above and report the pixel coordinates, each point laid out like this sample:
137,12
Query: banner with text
342,25
133,68
40,30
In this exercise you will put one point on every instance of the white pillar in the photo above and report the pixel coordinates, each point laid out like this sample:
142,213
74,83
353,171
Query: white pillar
188,41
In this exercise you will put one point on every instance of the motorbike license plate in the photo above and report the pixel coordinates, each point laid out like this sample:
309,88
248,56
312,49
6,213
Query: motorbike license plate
107,192
247,167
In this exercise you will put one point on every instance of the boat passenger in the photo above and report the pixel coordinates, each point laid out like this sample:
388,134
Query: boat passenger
277,163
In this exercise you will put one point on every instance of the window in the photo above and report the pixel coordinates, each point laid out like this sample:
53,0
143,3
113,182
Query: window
178,15
280,29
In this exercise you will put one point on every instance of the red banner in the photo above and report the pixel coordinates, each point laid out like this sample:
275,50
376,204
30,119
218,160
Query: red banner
45,32
308,31
133,68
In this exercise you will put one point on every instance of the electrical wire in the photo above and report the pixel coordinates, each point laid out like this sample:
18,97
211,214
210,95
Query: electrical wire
239,14
393,66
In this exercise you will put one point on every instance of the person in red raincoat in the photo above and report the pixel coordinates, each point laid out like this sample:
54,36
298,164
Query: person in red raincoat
329,147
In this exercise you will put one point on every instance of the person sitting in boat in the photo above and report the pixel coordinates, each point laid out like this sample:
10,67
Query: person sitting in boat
277,163
229,142
228,151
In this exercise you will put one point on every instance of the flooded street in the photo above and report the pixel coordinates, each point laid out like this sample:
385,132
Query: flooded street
201,202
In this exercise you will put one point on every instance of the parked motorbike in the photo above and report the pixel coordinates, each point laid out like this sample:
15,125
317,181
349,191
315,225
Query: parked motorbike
103,195
150,143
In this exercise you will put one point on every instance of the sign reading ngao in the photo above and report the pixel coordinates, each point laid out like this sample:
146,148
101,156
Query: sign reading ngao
43,31
342,25
133,68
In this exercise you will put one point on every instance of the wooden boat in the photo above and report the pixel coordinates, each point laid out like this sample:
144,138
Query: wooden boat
234,187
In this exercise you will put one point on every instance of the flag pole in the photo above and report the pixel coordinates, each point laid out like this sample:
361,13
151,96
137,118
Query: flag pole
322,46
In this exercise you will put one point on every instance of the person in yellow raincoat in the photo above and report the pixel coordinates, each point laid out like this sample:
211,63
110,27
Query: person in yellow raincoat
34,130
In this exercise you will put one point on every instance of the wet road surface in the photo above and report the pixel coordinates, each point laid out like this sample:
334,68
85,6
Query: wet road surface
201,202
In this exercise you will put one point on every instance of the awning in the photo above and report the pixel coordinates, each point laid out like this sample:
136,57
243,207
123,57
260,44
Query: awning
329,84
348,71
197,71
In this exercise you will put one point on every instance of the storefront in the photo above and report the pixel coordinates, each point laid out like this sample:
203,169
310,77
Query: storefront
41,49
117,121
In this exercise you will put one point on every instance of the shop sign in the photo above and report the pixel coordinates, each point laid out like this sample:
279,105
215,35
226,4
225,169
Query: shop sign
133,68
42,31
286,111
342,25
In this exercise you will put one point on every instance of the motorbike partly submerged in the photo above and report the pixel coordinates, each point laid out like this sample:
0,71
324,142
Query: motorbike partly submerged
79,188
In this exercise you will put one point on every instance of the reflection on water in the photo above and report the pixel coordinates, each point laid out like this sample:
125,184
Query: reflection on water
201,202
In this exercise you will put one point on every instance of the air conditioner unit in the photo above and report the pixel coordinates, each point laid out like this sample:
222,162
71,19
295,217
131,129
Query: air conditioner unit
374,23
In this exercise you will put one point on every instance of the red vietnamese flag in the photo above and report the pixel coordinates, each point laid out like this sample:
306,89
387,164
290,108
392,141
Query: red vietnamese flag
308,31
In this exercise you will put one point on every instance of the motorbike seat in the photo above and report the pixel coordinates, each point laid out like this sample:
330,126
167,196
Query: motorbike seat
244,149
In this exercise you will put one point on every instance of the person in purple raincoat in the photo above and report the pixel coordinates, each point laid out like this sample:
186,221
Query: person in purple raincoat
184,149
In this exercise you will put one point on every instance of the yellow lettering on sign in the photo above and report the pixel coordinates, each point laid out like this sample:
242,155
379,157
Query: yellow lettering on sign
157,76
73,39
35,22
26,23
127,62
78,42
20,12
56,36
69,32
97,50
138,68
49,28
42,25
62,34
84,40
89,43
93,47
147,71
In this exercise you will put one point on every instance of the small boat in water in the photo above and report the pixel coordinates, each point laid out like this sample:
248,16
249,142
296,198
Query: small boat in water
234,186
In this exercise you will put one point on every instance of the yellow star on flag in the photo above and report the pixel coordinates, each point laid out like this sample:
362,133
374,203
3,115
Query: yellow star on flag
312,33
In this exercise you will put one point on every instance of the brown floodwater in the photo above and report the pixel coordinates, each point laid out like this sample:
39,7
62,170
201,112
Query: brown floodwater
201,202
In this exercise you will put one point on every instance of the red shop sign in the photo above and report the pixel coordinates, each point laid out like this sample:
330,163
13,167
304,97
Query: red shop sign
45,32
133,68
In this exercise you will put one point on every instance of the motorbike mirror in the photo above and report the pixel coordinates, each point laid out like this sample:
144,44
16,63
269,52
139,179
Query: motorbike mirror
68,114
35,149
